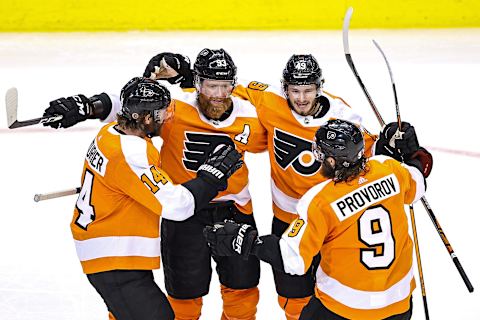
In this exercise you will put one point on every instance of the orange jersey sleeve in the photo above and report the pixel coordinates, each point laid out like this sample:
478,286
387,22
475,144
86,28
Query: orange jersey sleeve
361,231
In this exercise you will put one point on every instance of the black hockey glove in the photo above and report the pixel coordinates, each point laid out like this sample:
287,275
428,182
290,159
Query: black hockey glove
74,109
219,166
229,238
177,62
395,143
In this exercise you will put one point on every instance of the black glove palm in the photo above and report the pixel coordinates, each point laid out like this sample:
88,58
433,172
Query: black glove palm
220,165
74,109
395,143
177,62
229,238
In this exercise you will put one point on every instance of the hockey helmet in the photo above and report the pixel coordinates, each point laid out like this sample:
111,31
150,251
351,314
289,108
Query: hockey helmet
215,64
341,140
143,95
302,69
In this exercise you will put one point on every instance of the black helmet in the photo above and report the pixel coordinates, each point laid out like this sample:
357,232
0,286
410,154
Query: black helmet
142,95
215,64
341,140
302,69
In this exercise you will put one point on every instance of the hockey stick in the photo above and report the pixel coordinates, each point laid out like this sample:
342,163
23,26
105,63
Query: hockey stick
11,102
412,212
346,49
423,199
52,195
346,24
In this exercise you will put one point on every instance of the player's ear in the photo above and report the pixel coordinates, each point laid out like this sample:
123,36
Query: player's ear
331,161
147,119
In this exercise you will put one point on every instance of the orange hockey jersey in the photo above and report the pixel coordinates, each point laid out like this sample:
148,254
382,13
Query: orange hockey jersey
190,136
293,166
361,231
115,222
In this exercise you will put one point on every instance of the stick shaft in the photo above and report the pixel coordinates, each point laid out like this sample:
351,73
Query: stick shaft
419,262
447,244
57,194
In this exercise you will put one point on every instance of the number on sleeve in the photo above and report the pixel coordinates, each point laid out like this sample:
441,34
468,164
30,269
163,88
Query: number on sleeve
296,227
375,231
84,202
255,85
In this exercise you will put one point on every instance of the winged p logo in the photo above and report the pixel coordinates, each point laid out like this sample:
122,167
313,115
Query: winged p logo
294,151
199,145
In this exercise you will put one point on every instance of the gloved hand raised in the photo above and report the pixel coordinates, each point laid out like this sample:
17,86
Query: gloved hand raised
220,165
74,109
395,143
173,67
229,238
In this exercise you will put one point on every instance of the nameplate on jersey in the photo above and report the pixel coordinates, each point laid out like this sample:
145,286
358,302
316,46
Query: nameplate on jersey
367,195
96,159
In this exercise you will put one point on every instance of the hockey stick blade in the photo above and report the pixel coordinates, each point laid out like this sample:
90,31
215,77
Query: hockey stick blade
346,27
397,108
11,103
346,50
57,194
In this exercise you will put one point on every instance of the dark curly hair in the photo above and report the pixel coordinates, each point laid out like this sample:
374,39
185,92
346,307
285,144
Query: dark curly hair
133,124
346,174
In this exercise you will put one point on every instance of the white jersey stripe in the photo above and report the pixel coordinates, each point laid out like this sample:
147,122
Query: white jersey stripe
364,300
241,198
283,201
119,246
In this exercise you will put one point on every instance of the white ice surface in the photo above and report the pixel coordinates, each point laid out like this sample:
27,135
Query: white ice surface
436,72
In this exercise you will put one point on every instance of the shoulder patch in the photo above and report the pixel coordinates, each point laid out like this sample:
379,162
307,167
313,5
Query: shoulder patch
255,85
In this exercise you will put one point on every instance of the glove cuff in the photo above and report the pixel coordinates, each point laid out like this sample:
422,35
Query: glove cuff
212,176
102,105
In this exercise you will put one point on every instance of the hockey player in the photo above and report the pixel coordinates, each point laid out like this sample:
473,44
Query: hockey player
355,220
124,191
206,117
291,116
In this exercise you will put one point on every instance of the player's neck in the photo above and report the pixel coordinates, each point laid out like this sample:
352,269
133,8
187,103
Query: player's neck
132,132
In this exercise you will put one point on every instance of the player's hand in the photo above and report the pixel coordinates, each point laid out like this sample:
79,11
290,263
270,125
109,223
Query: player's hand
173,67
229,238
395,143
220,165
74,109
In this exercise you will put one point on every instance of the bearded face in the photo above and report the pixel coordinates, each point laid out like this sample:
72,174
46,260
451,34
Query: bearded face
214,97
327,169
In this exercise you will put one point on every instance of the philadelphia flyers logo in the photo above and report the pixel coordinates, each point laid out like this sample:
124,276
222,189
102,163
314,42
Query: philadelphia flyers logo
199,145
294,151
